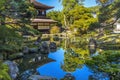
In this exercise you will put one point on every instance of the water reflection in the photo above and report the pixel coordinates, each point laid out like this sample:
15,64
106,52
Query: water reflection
60,67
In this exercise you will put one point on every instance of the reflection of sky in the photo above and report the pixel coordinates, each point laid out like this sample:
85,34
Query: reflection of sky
53,69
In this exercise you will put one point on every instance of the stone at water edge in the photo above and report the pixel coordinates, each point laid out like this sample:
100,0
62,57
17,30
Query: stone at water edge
43,48
25,50
33,50
39,77
25,75
13,69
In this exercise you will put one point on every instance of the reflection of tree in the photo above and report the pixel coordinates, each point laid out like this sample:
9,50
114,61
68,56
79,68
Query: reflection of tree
99,76
108,62
74,58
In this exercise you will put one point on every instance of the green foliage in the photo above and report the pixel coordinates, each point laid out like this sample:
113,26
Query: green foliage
104,2
95,9
20,10
69,5
15,18
28,30
4,72
109,14
71,62
74,57
56,15
54,30
82,19
107,61
9,39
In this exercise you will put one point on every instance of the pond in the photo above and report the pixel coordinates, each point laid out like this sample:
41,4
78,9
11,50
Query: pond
76,61
55,69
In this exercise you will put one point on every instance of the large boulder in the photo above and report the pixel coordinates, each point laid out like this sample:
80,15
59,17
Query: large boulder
33,50
25,50
13,69
43,48
52,45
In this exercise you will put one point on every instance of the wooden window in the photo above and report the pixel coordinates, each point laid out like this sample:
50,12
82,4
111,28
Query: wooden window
43,27
40,24
46,24
33,23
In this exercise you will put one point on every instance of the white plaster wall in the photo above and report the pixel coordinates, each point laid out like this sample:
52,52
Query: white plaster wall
118,26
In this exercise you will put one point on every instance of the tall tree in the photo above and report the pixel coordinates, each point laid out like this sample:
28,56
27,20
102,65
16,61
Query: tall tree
104,2
56,15
110,13
67,6
81,19
14,16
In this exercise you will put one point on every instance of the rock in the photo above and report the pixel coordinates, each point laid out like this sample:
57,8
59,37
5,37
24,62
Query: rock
44,44
43,48
26,74
37,58
13,69
52,45
33,50
37,41
25,50
39,77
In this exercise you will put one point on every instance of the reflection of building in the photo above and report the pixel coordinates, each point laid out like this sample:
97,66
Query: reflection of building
41,22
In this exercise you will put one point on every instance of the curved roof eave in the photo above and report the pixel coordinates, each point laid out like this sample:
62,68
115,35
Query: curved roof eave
39,5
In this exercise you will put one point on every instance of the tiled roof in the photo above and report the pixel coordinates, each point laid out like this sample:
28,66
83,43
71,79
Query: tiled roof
39,5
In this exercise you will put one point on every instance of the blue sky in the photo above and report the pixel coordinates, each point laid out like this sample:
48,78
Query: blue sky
57,5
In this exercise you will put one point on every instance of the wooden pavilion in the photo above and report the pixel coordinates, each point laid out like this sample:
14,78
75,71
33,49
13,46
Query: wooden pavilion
41,22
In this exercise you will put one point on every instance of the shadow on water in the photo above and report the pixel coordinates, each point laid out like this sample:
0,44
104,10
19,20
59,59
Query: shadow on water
32,61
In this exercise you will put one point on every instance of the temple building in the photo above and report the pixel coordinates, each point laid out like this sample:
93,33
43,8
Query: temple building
41,22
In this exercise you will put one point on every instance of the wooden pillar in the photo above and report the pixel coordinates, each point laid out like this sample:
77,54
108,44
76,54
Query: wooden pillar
44,13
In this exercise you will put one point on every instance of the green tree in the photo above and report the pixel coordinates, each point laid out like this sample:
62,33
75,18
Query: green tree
108,62
74,58
109,13
15,15
4,72
68,5
56,15
104,2
81,19
54,30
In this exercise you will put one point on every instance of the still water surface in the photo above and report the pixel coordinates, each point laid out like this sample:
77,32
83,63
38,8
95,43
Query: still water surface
54,69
